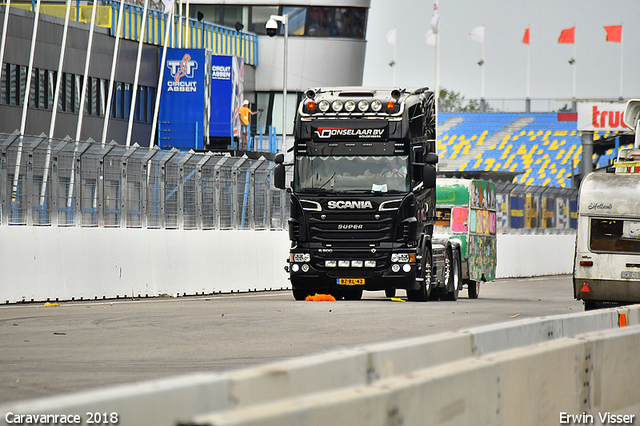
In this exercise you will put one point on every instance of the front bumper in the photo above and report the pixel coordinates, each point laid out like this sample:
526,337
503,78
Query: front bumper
329,278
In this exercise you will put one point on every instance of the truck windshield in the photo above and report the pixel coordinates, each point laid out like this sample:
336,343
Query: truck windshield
342,174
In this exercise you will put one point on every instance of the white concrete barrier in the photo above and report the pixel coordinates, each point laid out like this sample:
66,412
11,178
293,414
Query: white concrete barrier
592,375
521,372
50,263
530,255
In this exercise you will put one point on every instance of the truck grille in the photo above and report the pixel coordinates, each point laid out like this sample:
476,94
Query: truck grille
382,261
354,228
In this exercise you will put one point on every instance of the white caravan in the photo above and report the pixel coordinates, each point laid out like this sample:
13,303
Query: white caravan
607,259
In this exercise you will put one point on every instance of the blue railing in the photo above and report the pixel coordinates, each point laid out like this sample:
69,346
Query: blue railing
220,40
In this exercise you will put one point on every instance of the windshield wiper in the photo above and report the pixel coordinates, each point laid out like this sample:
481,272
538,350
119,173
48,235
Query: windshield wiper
328,180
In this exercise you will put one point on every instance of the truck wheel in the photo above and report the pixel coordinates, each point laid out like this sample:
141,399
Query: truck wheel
473,288
300,294
453,279
422,294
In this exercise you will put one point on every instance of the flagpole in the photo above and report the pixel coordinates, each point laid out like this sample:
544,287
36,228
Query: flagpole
528,70
187,38
85,78
435,29
7,12
112,78
621,62
136,76
180,25
574,70
437,77
395,62
163,61
483,67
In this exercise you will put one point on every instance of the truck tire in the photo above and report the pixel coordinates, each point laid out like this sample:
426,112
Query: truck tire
453,279
473,288
424,292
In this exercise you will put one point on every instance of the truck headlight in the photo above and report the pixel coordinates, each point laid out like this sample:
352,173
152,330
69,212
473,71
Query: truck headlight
350,105
403,257
300,257
323,105
330,263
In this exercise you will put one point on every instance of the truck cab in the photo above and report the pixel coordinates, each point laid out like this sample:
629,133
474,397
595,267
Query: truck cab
363,192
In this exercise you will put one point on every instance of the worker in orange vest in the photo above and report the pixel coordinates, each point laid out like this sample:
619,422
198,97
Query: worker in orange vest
244,113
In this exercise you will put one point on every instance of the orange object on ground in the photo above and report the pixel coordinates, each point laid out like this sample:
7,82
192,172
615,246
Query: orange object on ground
320,298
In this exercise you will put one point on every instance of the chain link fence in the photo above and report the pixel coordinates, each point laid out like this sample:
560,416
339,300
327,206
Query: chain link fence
45,182
536,209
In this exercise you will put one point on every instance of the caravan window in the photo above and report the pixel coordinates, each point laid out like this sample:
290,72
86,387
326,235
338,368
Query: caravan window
615,235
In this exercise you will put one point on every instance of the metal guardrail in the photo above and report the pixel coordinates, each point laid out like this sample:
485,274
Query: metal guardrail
50,182
536,209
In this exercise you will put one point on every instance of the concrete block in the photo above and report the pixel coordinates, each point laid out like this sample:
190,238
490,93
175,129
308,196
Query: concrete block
459,393
157,402
298,376
614,381
499,337
404,356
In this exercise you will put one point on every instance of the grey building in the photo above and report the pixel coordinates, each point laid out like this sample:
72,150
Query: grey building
326,47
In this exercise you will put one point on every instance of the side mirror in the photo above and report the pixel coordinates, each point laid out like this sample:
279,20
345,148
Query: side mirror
431,158
279,158
279,176
429,175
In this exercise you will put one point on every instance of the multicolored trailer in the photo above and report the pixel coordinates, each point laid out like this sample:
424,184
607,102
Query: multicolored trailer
466,216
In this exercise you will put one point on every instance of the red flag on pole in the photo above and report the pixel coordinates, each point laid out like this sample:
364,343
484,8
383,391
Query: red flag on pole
525,39
614,33
567,35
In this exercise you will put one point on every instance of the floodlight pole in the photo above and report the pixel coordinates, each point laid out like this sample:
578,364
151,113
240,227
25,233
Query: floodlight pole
285,25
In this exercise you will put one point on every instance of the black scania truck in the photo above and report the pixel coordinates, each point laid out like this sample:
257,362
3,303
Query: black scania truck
363,195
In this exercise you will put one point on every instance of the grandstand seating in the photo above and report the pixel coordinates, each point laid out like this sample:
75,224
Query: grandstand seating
545,150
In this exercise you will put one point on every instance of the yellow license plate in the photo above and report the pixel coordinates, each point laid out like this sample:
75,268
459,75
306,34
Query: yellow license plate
350,281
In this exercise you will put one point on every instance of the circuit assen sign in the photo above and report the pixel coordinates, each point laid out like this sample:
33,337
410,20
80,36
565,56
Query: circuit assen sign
601,116
185,92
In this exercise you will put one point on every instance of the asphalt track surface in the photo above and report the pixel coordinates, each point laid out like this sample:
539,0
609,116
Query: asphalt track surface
49,350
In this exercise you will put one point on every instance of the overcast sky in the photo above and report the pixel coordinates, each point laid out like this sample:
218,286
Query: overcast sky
597,61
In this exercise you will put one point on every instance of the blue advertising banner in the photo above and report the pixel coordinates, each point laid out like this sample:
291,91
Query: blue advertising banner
182,120
573,214
227,89
517,211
